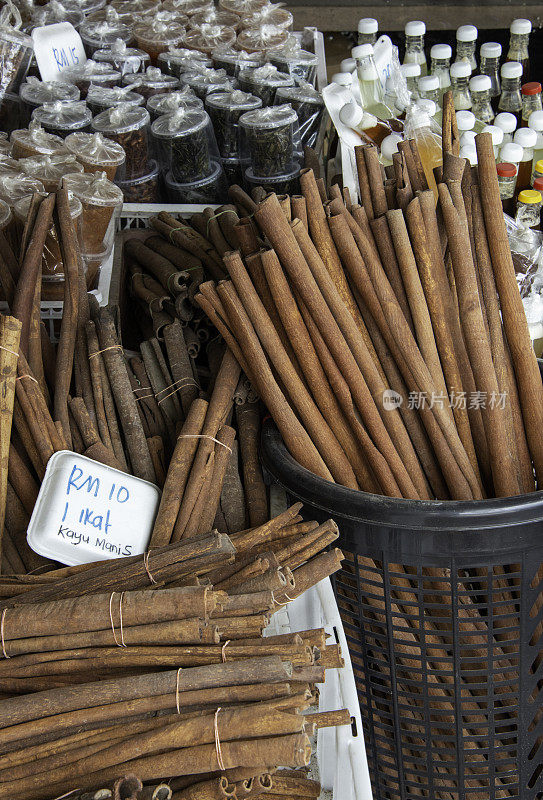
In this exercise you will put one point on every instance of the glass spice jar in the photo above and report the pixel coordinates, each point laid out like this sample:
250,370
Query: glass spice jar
101,98
460,74
63,118
232,60
94,152
414,45
169,103
269,134
97,35
34,93
529,209
34,140
411,73
428,87
99,74
490,54
127,125
518,44
152,82
510,98
507,177
182,142
479,88
178,60
154,36
466,44
264,82
123,59
225,109
100,200
367,30
531,100
49,170
508,123
208,81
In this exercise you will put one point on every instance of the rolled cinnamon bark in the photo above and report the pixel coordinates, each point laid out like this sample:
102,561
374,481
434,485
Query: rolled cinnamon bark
206,509
10,333
375,180
232,504
363,181
248,425
180,365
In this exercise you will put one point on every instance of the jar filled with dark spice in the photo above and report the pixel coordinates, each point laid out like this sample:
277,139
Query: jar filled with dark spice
161,104
16,51
211,189
54,12
152,82
264,82
99,74
35,140
209,37
233,170
184,144
34,93
128,126
11,116
289,183
215,16
156,34
49,170
232,60
144,189
308,105
98,35
177,60
96,152
101,98
63,118
100,200
269,14
269,140
225,109
301,64
207,81
122,58
258,40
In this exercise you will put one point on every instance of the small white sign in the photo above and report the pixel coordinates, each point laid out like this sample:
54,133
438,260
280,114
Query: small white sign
57,47
87,511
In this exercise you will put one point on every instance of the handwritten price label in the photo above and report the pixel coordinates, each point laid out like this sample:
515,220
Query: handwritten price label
56,48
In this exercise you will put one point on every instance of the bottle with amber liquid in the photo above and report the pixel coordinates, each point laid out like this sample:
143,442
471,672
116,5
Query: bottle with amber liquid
371,129
518,45
507,177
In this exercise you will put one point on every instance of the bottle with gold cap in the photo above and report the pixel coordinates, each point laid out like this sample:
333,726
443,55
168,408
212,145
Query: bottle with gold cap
537,173
529,209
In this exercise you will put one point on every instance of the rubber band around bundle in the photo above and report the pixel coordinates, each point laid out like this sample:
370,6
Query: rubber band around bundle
183,381
203,436
223,650
20,377
62,796
13,353
112,347
111,619
146,565
220,762
2,623
121,619
289,599
181,228
226,211
177,689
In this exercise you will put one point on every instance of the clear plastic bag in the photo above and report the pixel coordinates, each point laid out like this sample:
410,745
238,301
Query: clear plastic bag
211,189
169,103
96,152
127,125
49,170
232,60
95,72
209,37
178,60
225,109
34,93
527,252
100,200
151,82
61,118
270,142
100,98
56,11
263,38
269,14
123,59
300,64
309,106
35,140
264,81
157,34
16,50
206,81
97,35
185,145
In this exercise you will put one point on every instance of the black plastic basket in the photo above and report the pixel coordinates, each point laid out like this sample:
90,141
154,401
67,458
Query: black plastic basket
442,604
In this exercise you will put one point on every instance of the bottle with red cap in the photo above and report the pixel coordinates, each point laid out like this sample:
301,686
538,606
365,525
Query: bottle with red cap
507,178
531,100
538,184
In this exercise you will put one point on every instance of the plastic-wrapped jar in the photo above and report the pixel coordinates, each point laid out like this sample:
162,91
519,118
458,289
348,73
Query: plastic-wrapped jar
414,44
510,98
211,189
15,187
49,170
440,63
270,14
479,88
490,65
232,60
300,64
183,142
225,109
16,51
99,74
207,81
55,12
507,178
178,60
531,99
242,7
188,7
156,35
214,16
5,144
497,137
411,73
269,134
98,35
99,99
209,38
536,124
123,59
152,82
460,74
367,30
257,40
63,118
466,43
35,93
161,104
527,139
264,82
289,183
529,209
34,140
144,189
95,152
100,199
428,87
518,44
9,166
128,126
308,104
138,7
508,123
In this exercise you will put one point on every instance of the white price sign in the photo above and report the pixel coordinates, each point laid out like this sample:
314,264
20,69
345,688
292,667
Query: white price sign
57,47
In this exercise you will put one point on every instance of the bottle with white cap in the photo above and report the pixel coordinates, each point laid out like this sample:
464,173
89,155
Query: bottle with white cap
347,65
367,125
510,98
512,154
535,122
411,73
433,111
490,54
389,146
497,137
367,30
414,44
466,43
421,128
371,89
469,151
342,79
479,88
428,87
468,138
465,121
460,73
527,139
508,123
520,31
440,63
